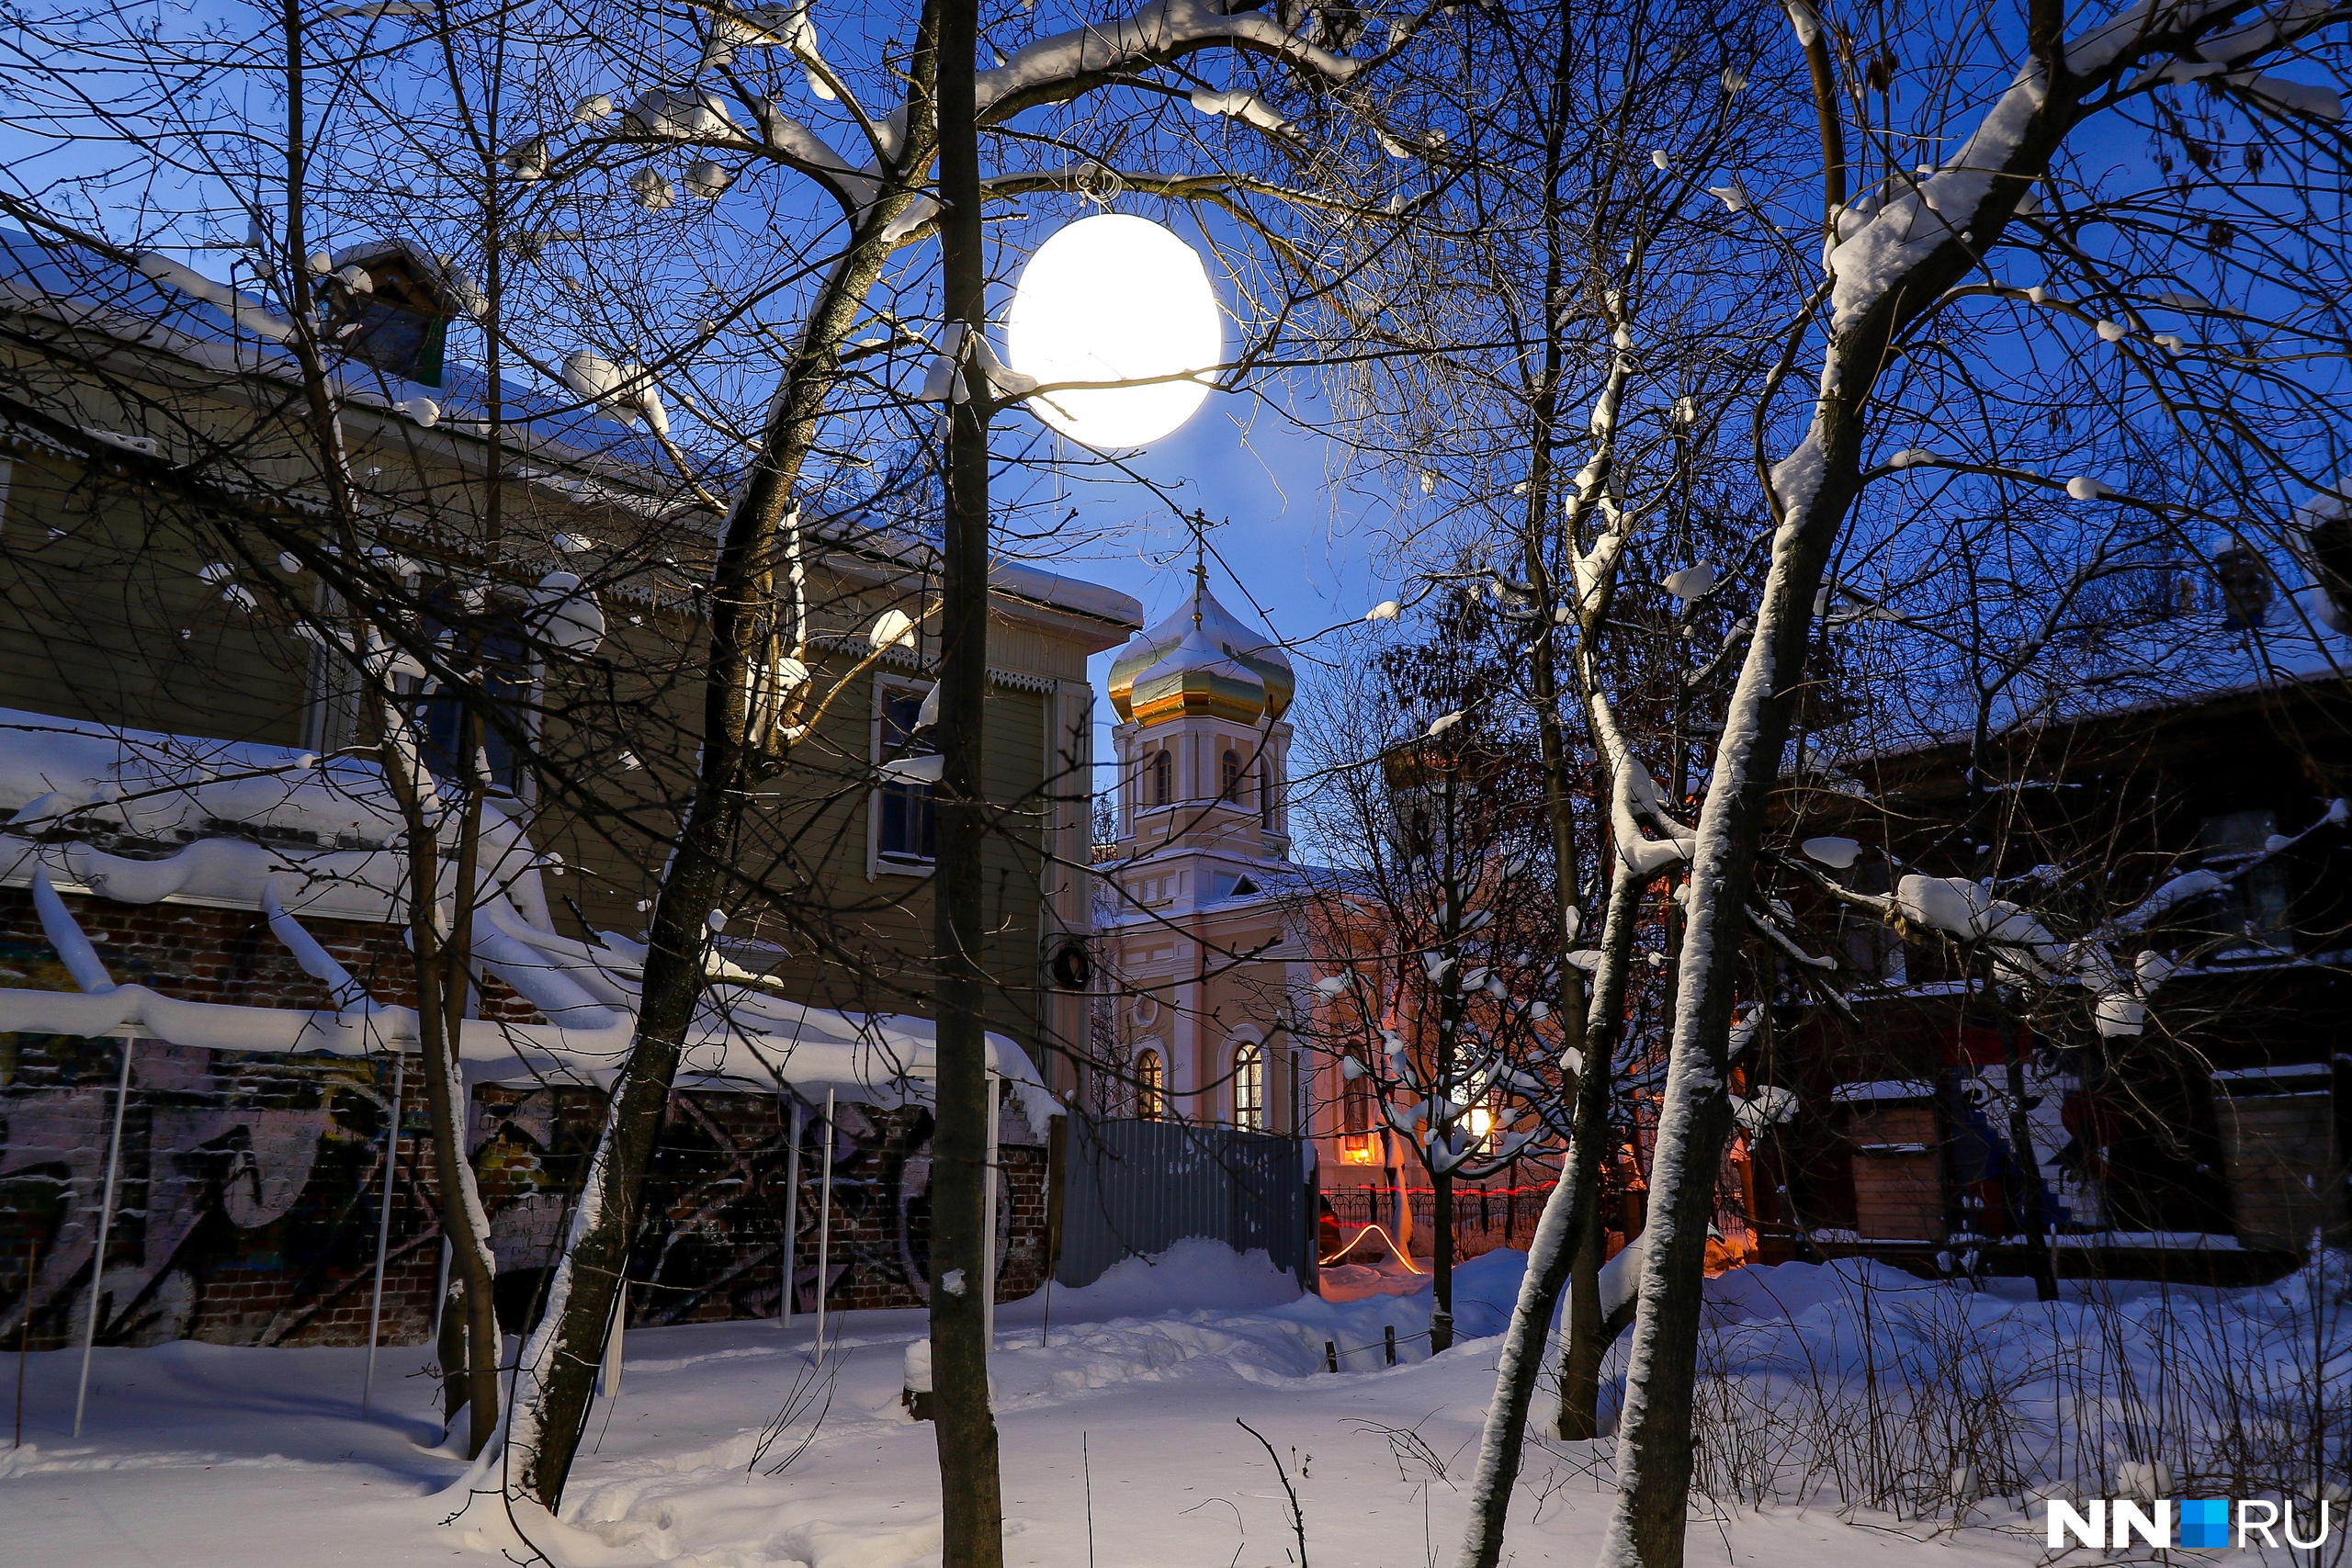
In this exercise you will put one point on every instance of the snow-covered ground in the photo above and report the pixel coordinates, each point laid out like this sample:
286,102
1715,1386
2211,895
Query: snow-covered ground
1118,1421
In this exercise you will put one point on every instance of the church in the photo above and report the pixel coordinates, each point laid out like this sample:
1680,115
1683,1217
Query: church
1197,918
1213,937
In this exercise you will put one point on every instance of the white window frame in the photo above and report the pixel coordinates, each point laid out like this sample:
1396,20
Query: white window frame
1248,1040
878,864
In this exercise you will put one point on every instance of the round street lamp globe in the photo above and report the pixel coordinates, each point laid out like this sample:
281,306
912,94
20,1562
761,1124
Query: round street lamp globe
1115,299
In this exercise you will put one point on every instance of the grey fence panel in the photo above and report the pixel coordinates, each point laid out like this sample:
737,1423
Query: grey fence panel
1137,1187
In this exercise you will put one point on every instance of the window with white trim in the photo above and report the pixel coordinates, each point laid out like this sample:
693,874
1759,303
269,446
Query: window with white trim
1250,1086
906,818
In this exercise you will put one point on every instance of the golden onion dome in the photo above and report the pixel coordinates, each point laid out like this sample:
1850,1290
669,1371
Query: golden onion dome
1195,680
1261,660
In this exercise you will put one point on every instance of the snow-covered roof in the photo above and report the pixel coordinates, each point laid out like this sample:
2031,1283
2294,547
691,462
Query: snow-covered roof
166,306
268,827
1273,881
137,816
2196,659
170,308
1883,1088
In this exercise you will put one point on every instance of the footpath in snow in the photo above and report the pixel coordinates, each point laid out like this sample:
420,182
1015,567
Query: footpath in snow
1117,1407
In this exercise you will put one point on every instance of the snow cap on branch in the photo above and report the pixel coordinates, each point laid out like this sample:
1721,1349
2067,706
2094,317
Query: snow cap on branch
1832,851
1167,29
1694,582
674,115
1240,105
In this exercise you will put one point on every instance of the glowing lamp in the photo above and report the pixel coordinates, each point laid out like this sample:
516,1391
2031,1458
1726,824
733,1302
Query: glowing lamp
1115,299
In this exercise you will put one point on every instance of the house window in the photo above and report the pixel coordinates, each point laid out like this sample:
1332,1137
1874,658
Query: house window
2255,903
503,682
1873,948
1163,778
1229,778
907,819
1151,1086
1483,1124
1249,1087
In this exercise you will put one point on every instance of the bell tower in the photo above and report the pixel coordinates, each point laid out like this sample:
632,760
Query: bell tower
1204,751
1201,869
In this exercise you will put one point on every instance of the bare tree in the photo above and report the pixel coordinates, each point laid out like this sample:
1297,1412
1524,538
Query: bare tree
1440,1000
513,147
1911,251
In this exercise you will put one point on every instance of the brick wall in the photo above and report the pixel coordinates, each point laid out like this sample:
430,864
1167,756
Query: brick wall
250,1185
247,1205
218,956
249,1189
711,1245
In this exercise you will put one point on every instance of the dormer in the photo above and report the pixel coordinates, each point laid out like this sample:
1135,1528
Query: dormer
395,314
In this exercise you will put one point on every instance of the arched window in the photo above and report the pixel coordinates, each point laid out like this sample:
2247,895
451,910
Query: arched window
1482,1122
1249,1087
1265,792
1151,1086
1355,1105
1163,778
1229,778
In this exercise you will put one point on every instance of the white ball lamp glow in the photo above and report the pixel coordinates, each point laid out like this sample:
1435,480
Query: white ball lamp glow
1114,298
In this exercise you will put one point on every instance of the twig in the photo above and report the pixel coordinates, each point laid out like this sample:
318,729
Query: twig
1297,1520
25,1335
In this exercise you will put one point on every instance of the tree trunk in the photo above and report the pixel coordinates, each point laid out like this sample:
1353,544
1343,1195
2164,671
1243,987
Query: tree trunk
469,1320
1401,1218
1550,1254
1653,1439
971,1503
449,1343
1583,1340
1441,1262
472,1378
556,1374
1586,1338
2028,1171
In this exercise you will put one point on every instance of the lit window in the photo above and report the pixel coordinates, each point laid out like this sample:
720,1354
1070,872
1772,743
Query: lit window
909,825
1249,1087
1151,1086
1480,1124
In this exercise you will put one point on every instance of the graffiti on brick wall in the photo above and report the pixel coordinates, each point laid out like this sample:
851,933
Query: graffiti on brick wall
711,1243
246,1197
247,1201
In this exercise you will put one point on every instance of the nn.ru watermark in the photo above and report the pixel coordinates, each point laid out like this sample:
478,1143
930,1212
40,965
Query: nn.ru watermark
2191,1523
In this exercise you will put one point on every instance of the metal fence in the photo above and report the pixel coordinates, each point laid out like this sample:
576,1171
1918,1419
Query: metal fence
1134,1188
1484,1218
